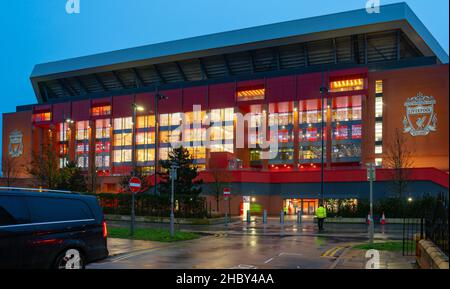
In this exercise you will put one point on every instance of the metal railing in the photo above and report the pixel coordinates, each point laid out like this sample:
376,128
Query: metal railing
436,225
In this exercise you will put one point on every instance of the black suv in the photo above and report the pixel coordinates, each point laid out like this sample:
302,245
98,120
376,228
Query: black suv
50,229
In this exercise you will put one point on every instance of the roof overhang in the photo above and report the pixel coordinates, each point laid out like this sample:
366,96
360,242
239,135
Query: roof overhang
394,16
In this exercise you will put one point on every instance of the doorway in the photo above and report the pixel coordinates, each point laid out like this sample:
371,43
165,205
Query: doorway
307,206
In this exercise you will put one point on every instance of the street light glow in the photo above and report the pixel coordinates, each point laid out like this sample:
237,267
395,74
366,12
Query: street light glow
410,199
140,108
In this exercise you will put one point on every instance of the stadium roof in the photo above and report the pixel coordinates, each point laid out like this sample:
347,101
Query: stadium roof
347,37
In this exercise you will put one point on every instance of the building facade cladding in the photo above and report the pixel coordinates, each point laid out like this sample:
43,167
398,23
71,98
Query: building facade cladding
97,133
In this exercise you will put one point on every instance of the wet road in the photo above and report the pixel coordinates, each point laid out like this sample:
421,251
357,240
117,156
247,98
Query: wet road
236,251
270,246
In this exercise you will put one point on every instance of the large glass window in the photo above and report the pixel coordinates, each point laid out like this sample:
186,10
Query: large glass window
122,155
82,143
347,129
378,131
102,143
283,113
222,130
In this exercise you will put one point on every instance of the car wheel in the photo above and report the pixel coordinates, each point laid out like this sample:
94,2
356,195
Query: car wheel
70,259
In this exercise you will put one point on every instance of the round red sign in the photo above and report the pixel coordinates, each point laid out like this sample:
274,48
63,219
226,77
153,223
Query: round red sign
135,185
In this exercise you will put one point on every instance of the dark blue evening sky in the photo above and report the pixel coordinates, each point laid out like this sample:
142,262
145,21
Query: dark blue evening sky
38,31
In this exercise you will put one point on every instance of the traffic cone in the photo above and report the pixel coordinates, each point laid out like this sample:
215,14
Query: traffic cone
383,219
369,219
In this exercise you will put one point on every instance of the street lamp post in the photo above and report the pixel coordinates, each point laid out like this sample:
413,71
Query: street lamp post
371,178
173,177
323,91
158,97
135,108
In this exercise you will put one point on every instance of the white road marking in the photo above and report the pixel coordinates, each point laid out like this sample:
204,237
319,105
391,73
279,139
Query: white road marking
270,260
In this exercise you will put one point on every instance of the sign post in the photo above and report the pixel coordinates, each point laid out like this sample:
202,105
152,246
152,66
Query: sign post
371,177
173,177
226,196
135,186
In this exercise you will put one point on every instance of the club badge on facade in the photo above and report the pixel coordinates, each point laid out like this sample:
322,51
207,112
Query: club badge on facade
420,119
16,144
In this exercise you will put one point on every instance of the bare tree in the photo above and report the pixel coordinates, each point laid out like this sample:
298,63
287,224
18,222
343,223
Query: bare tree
44,166
11,170
92,179
399,159
221,179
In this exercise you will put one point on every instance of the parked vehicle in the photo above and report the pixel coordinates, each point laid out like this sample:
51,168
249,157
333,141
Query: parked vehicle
50,229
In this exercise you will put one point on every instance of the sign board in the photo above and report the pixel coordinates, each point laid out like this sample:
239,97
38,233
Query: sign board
371,176
226,192
135,185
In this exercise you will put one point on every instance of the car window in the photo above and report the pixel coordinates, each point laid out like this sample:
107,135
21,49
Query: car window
13,211
54,210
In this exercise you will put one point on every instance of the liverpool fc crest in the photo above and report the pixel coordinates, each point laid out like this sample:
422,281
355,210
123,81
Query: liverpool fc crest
420,119
16,144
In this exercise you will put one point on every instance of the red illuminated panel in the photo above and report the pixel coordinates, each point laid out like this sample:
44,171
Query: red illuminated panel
41,117
347,85
101,110
101,147
312,134
341,132
356,131
256,93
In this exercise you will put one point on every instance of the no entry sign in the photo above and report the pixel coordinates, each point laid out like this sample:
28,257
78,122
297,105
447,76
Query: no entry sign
135,185
226,192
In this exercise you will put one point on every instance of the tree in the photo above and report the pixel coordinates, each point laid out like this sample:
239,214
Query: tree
221,179
11,169
44,166
399,159
71,178
186,183
92,179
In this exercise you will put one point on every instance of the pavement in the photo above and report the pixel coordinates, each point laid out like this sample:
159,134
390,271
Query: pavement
256,246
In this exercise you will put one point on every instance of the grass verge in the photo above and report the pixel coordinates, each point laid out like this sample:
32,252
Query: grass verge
385,246
159,235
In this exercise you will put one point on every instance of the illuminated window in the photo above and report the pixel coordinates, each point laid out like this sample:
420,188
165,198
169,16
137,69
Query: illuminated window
379,86
196,117
102,161
378,107
41,117
102,128
63,162
347,85
144,138
309,153
122,156
378,162
341,132
146,121
102,147
378,131
82,130
251,94
63,132
255,155
164,153
347,108
145,155
101,110
123,139
197,152
123,123
310,111
342,151
378,150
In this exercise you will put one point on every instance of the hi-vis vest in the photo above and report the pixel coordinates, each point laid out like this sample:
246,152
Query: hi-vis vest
321,212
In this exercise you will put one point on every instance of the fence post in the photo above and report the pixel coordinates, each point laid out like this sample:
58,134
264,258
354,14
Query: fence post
282,217
248,217
299,218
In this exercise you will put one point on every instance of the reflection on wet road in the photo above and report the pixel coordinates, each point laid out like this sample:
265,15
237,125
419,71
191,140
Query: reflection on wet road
234,251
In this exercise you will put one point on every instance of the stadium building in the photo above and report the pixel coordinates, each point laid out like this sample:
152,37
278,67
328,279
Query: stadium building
352,83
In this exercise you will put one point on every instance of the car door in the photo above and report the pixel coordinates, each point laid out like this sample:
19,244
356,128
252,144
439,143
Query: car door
58,224
14,231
